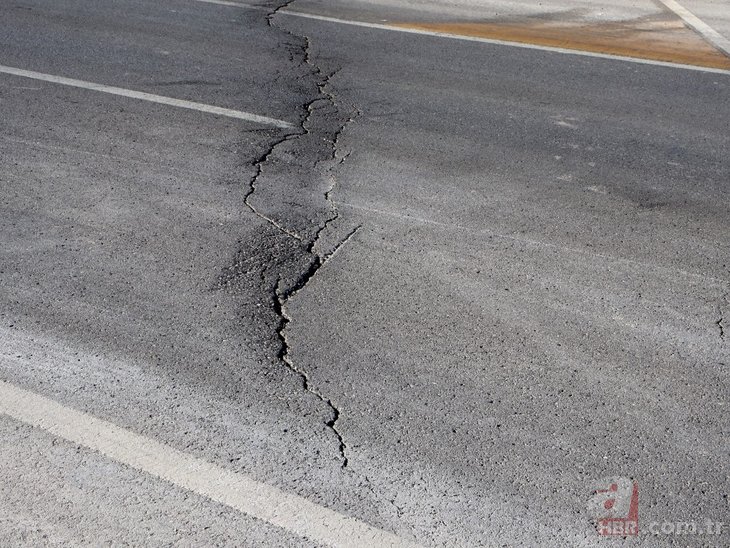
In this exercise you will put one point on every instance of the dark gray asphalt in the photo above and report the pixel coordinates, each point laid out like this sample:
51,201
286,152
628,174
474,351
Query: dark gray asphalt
471,284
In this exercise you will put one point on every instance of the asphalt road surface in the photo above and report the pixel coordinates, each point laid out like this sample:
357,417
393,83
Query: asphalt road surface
326,283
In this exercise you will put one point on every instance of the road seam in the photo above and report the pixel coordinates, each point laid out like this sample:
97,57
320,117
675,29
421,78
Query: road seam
112,90
238,491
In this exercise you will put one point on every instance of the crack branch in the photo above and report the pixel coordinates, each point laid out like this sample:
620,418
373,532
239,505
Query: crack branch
720,323
259,168
328,193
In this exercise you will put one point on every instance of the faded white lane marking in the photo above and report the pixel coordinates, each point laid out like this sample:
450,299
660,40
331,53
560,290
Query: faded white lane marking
202,107
290,512
645,267
694,22
122,159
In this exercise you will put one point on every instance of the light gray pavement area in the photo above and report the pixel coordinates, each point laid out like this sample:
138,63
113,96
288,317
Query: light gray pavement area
713,12
472,283
539,255
51,503
479,10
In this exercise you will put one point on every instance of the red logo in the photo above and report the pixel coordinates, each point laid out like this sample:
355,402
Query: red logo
615,509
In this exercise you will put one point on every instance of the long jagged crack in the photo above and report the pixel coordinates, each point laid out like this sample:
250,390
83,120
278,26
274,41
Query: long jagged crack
259,163
322,86
280,299
284,289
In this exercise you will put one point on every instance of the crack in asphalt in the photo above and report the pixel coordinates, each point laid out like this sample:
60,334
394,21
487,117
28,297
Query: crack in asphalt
281,294
325,96
280,299
720,323
259,162
335,145
258,166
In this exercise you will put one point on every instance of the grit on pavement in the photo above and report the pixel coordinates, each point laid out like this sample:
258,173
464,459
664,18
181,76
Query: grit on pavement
439,291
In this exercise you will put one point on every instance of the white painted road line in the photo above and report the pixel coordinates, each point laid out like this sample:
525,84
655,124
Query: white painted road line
290,512
493,41
694,22
501,42
235,4
238,114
